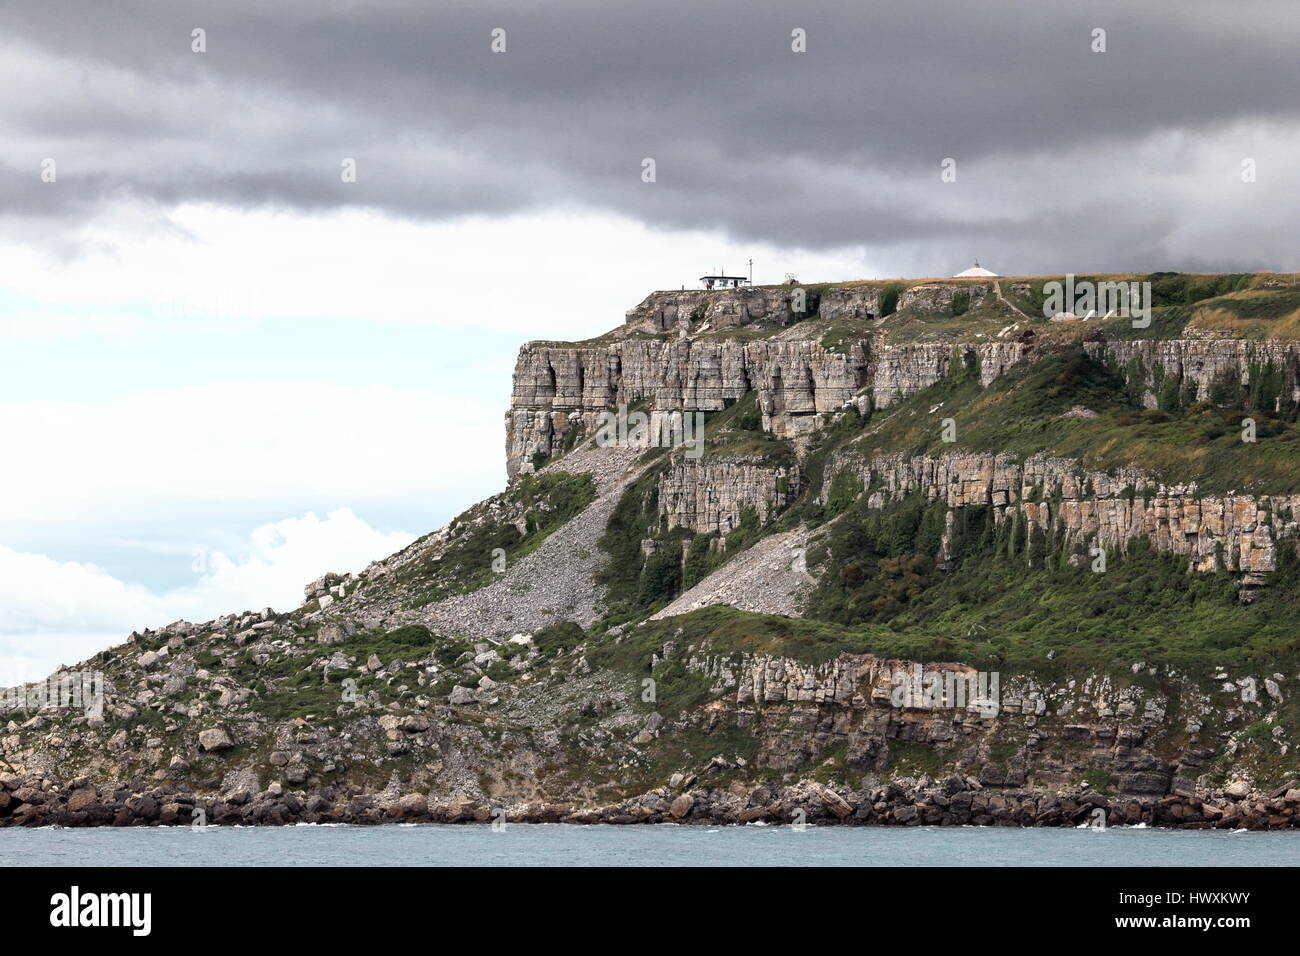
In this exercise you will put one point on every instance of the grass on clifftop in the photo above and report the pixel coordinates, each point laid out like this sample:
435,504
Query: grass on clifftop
1028,410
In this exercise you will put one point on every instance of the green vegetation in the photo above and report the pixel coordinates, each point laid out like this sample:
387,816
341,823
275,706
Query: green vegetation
558,639
889,299
908,758
1028,410
997,613
737,432
841,336
286,690
1255,314
1176,288
640,583
544,502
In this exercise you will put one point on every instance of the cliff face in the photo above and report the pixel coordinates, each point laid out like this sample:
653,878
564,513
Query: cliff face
798,377
902,370
709,495
720,309
1232,532
1062,731
731,308
1203,361
558,388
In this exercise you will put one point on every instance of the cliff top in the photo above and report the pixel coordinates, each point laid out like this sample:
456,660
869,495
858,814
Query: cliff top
1254,306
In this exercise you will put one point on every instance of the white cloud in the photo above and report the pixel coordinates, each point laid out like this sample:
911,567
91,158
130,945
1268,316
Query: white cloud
252,443
55,612
546,275
282,558
38,593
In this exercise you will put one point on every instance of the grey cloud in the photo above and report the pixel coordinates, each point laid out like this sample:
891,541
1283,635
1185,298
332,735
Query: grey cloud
836,147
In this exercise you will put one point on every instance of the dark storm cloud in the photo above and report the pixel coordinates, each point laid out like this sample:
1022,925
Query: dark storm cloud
837,146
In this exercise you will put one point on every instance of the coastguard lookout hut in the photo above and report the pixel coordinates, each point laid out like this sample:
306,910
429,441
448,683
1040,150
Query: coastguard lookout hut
723,282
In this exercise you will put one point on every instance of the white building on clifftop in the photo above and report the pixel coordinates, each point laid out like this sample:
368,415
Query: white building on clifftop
975,272
723,282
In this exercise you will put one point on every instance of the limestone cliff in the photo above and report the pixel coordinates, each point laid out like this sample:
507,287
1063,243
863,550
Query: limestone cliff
697,357
1232,532
1205,361
710,496
560,388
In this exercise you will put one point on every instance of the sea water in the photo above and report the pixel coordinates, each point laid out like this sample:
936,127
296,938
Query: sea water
645,845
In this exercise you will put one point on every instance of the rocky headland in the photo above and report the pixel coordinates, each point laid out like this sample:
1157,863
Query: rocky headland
897,478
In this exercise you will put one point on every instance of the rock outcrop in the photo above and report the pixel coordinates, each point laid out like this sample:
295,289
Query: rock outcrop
1203,361
1218,532
559,388
709,494
562,387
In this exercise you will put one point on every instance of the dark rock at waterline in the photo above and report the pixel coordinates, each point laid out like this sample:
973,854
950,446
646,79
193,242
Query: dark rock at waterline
37,801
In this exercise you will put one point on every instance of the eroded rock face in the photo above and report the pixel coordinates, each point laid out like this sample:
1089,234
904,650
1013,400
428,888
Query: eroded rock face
709,494
938,296
720,308
561,387
899,371
1202,360
1236,532
731,308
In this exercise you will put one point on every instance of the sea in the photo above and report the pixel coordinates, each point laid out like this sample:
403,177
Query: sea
646,845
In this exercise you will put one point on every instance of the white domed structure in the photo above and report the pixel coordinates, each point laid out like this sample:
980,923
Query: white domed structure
975,272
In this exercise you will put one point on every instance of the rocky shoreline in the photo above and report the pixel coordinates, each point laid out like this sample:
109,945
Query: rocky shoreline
957,801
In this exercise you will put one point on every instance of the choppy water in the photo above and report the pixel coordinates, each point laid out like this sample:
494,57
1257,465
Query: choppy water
559,845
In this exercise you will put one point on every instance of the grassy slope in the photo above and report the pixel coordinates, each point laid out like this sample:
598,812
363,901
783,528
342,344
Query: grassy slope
545,502
1023,413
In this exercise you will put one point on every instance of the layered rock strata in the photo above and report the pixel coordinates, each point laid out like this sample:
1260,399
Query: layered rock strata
710,494
1235,532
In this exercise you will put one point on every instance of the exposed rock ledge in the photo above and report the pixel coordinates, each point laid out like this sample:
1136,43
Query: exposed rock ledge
1238,532
956,801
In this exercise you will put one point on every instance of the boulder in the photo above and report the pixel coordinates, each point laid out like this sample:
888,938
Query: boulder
834,803
214,739
81,799
413,805
335,633
463,695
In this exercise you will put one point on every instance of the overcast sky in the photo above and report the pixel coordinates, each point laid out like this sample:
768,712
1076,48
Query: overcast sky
224,369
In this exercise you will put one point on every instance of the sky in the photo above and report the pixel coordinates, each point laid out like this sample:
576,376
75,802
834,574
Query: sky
228,365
